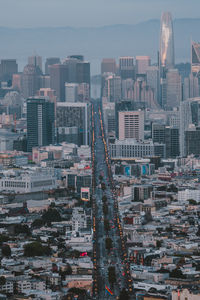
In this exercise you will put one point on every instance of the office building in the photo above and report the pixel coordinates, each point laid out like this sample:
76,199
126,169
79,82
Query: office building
128,89
8,67
126,67
173,88
30,81
74,115
47,93
192,141
83,72
49,62
40,122
158,133
143,93
113,88
167,58
125,106
58,78
78,69
71,92
189,115
36,61
108,65
131,125
109,117
195,58
172,142
152,77
131,148
142,64
73,70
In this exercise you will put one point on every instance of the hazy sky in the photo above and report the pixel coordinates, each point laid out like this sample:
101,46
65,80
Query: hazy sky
78,13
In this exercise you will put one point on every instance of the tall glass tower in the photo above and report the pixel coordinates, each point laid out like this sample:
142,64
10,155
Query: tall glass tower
166,42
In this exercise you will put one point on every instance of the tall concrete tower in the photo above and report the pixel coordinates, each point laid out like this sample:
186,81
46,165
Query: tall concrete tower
167,59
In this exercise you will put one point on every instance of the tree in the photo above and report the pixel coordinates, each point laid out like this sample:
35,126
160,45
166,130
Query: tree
103,186
51,215
37,223
108,244
36,249
105,209
177,273
111,275
159,243
106,225
192,202
3,238
104,198
6,251
19,228
123,295
198,232
2,280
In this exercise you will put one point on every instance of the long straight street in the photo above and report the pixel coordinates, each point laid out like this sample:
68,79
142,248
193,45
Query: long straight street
116,257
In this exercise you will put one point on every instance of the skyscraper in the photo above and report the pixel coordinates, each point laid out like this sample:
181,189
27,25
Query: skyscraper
108,65
113,88
8,67
74,115
35,60
142,64
49,62
40,122
71,92
173,88
30,81
58,78
131,125
126,67
195,58
166,42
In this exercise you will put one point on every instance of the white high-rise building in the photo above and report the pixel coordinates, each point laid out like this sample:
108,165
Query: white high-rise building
71,92
131,125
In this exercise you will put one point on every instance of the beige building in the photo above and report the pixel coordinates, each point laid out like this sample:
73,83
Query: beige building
131,125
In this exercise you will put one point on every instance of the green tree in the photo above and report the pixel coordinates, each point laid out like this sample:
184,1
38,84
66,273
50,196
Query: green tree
6,251
111,275
177,273
105,209
19,228
36,249
3,238
109,244
159,243
104,198
51,215
123,295
37,223
103,186
106,225
192,202
2,280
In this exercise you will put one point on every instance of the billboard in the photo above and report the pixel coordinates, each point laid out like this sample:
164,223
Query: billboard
127,171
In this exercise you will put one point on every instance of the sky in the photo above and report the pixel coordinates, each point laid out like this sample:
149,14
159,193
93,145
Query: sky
90,13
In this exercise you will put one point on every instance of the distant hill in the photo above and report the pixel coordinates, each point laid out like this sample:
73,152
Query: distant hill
96,43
